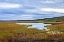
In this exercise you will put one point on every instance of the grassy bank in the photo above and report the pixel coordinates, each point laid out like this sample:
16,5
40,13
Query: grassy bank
11,29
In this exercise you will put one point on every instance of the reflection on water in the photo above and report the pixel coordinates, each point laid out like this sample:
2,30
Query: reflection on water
35,25
39,25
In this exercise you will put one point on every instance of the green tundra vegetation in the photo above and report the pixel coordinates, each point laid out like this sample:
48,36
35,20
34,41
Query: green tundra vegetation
54,19
11,29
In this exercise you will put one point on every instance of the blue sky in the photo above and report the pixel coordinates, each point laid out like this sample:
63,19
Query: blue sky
30,9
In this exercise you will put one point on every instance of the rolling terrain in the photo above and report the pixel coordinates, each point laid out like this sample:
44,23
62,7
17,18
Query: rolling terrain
10,29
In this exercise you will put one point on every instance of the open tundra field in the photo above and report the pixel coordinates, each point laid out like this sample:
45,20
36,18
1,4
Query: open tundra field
10,31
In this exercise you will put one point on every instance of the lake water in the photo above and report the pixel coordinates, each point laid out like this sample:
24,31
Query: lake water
35,25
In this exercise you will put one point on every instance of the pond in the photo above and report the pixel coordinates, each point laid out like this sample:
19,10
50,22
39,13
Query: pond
35,25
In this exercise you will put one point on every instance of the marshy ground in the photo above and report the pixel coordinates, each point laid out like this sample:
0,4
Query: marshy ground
12,32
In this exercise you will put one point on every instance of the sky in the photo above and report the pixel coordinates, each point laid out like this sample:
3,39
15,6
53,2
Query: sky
30,9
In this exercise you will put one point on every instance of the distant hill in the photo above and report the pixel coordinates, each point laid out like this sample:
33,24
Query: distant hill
55,19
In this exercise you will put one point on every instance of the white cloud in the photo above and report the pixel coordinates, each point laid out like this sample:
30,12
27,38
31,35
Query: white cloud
27,15
31,10
16,17
58,10
52,1
47,2
9,5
